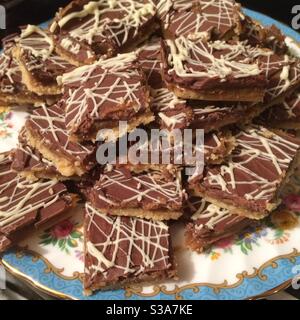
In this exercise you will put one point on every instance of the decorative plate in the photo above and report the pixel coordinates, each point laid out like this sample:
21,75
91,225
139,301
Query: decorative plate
255,263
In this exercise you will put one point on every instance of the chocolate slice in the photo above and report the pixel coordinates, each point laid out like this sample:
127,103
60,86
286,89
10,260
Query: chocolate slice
89,30
46,132
39,63
219,19
149,195
30,163
250,182
210,223
218,146
218,70
171,112
121,250
211,116
266,37
12,90
149,59
98,96
283,74
285,115
25,203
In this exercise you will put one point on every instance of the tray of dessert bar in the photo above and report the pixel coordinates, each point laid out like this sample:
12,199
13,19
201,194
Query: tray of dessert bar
76,229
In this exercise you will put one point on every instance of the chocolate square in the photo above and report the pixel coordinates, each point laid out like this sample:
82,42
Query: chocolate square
25,203
249,183
150,195
46,131
40,64
210,223
85,31
98,96
123,250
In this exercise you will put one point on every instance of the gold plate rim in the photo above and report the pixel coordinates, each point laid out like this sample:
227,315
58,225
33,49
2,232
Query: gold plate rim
56,294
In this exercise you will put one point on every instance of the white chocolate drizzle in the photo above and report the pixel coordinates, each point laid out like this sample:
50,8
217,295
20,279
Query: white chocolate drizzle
148,187
116,20
165,100
50,122
149,57
210,214
124,241
197,19
286,78
10,73
197,59
39,47
258,164
22,196
85,88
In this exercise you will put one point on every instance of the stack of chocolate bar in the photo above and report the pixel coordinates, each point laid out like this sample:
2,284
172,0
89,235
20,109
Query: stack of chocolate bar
163,64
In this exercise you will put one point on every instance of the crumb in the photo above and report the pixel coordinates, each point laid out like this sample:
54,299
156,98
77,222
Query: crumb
284,219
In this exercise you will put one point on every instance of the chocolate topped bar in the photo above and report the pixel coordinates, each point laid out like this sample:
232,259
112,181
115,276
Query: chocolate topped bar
175,113
39,63
283,79
30,163
249,183
98,96
219,19
46,132
285,115
210,223
150,60
218,146
121,250
148,195
216,70
266,37
211,116
24,203
12,90
171,112
89,30
168,156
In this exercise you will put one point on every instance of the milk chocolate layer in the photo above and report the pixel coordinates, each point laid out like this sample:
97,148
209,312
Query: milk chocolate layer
215,19
85,31
210,223
25,203
100,95
214,66
211,116
47,132
171,112
150,191
285,115
123,250
29,162
149,59
249,183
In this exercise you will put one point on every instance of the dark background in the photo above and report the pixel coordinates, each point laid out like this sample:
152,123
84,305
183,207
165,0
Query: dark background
20,12
277,9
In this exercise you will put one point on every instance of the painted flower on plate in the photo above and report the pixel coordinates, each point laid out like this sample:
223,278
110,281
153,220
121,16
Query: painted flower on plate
63,235
5,125
62,230
251,238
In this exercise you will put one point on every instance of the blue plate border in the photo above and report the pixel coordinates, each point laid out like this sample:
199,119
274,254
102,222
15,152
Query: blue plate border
271,275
